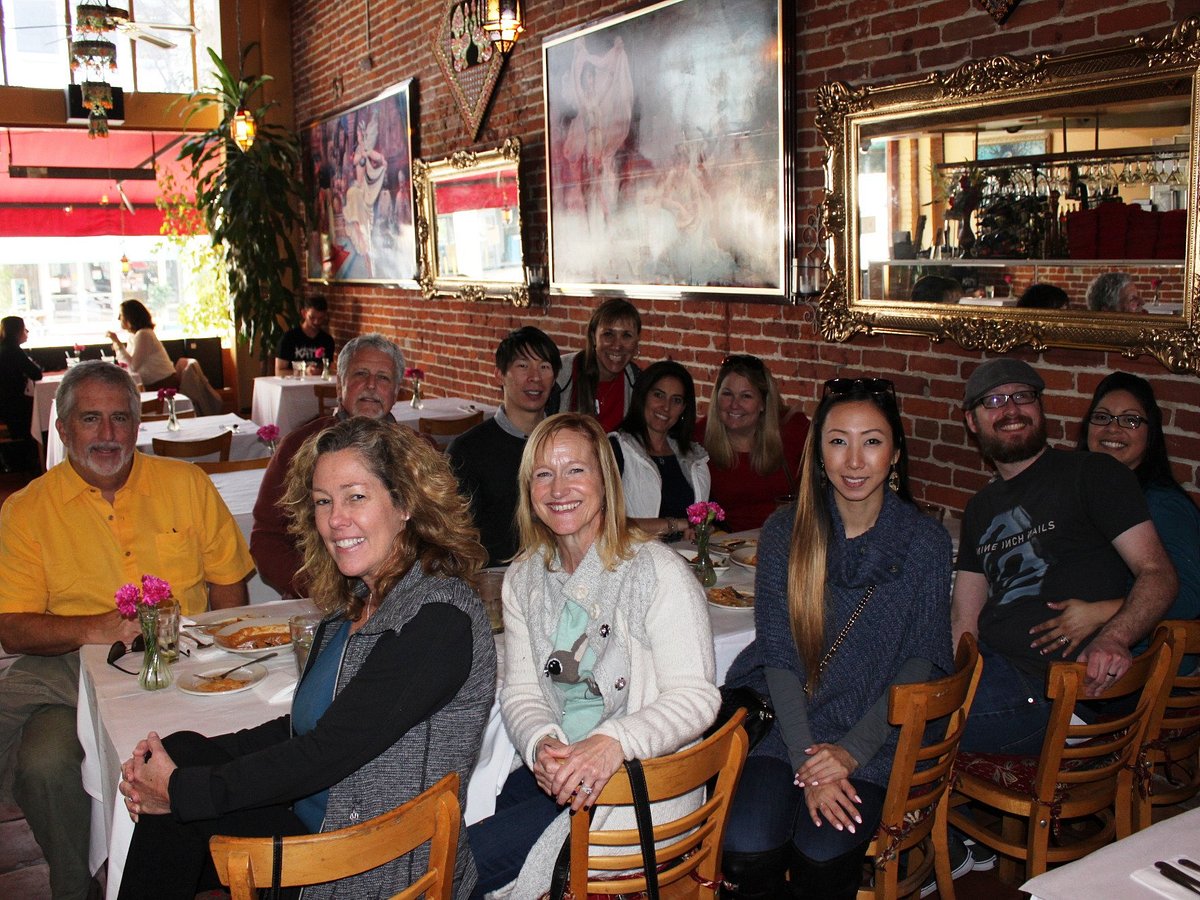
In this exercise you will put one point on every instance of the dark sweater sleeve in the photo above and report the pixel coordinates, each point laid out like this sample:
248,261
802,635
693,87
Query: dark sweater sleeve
407,677
791,712
870,732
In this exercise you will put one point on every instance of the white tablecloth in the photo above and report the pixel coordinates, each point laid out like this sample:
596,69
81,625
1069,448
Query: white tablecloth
287,402
246,444
114,714
439,408
239,490
43,401
1108,872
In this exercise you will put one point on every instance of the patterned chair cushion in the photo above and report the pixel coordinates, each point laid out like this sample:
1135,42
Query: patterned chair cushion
1013,773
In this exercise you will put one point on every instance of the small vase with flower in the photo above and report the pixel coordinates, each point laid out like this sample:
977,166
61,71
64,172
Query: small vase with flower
269,435
324,361
146,604
417,376
703,515
167,396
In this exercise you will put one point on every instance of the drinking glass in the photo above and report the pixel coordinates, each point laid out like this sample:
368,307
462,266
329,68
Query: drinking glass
298,367
490,583
168,630
303,629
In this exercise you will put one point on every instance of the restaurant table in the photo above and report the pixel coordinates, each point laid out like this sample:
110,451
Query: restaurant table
246,444
1125,869
114,714
732,629
285,401
239,490
439,408
43,401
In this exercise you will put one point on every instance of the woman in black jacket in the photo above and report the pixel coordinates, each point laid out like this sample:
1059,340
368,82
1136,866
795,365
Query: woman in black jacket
17,369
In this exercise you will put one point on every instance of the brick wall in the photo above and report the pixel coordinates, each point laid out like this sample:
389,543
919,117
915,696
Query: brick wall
861,41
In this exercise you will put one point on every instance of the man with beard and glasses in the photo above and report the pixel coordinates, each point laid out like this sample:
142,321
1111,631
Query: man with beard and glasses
102,518
369,369
1056,524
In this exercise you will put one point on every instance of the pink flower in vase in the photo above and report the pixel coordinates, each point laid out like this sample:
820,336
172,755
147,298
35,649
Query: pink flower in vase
319,353
79,348
268,433
705,513
127,600
414,373
154,590
166,393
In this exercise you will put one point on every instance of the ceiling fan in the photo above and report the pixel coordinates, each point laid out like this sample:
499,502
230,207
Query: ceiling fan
123,24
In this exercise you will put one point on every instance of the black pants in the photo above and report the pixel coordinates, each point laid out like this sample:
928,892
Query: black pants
169,859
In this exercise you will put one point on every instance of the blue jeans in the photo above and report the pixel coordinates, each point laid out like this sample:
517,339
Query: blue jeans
768,811
501,842
1010,712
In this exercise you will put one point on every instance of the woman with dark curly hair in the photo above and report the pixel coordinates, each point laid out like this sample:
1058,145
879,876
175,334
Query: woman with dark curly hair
395,693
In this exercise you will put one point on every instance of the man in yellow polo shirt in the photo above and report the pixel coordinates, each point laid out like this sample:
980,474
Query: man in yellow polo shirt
104,517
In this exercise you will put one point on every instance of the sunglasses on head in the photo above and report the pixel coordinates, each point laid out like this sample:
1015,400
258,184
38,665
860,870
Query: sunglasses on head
743,359
837,387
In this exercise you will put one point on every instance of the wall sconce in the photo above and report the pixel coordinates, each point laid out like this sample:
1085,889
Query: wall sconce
124,264
243,129
503,23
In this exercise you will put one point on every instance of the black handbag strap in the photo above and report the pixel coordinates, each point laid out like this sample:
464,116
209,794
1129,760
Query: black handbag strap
645,824
276,865
562,870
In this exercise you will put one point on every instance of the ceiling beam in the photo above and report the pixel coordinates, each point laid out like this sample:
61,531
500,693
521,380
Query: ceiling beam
92,174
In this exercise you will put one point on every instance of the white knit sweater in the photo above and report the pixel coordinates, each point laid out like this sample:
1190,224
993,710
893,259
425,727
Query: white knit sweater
642,483
649,626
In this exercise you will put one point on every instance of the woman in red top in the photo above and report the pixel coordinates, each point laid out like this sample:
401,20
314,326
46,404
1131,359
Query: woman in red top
754,442
598,380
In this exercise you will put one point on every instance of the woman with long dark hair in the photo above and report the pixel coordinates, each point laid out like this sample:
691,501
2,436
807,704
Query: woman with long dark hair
852,596
1124,420
145,354
17,369
598,380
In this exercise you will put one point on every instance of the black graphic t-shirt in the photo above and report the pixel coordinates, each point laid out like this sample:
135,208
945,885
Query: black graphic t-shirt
1046,535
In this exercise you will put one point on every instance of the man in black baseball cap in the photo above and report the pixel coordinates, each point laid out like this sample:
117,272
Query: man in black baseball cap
1055,525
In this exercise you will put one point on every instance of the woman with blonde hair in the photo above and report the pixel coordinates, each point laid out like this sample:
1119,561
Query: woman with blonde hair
853,596
395,693
608,656
753,441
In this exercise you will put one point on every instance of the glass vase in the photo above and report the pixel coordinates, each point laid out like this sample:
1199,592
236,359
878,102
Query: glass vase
416,397
155,673
172,419
706,574
325,373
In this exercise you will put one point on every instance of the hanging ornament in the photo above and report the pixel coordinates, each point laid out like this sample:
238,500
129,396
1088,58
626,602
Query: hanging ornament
243,129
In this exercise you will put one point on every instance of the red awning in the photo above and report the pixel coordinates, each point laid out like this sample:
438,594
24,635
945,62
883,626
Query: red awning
79,195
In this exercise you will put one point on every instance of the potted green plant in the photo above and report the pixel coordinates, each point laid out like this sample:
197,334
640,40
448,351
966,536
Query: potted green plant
253,202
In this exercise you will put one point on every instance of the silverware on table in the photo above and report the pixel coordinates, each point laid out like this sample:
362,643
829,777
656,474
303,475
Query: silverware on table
1178,876
248,662
1189,864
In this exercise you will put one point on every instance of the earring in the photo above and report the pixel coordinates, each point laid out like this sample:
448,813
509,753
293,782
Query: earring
894,480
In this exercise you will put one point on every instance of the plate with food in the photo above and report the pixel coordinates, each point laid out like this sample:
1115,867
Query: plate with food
731,598
206,684
253,635
213,621
745,556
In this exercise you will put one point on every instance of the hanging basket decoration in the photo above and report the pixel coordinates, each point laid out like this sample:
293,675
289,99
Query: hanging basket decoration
97,95
97,124
97,18
96,53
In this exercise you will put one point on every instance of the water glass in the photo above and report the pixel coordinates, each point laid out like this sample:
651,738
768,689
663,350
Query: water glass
168,630
490,584
298,367
303,629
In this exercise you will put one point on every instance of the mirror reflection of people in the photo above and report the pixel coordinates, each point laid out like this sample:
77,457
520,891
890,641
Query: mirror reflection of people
17,370
1114,292
144,355
936,289
395,693
853,588
1125,422
608,656
1043,296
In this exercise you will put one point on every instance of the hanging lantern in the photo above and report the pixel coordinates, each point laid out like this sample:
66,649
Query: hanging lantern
503,23
95,53
124,264
97,124
243,129
95,18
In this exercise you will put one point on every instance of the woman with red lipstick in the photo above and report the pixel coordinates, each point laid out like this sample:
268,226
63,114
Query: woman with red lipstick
608,656
753,441
1124,420
853,596
598,381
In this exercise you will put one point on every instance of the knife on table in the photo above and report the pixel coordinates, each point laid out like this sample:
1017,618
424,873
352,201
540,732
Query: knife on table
1178,876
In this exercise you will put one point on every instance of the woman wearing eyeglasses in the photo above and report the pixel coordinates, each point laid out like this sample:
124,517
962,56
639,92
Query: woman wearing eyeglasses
1124,421
853,596
753,441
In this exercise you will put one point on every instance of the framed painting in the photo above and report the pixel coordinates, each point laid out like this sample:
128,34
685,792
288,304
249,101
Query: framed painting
666,137
358,168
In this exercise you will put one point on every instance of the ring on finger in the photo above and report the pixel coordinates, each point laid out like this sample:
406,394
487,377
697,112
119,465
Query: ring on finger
586,790
1062,639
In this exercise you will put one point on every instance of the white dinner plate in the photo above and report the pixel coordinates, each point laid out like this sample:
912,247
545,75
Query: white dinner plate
222,636
717,597
250,674
745,556
214,620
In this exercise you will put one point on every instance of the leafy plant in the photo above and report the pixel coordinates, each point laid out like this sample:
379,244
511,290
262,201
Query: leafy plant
253,204
204,291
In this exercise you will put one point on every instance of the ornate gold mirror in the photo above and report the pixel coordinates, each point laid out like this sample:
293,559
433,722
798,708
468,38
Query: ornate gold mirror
469,225
951,196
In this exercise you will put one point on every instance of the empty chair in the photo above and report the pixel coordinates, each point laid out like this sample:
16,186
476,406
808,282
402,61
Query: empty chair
915,810
245,864
1172,751
327,399
192,449
162,417
1084,771
234,465
689,848
449,427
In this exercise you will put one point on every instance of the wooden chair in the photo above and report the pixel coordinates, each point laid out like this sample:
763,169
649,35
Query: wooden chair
689,848
436,428
162,417
917,804
327,398
191,449
1172,752
234,465
1084,772
244,864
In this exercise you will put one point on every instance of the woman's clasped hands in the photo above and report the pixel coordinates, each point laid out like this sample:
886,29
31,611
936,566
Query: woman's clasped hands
145,779
576,773
828,793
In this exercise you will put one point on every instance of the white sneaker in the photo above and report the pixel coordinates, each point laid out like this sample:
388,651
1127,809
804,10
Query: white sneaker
983,859
961,862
